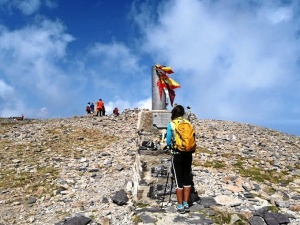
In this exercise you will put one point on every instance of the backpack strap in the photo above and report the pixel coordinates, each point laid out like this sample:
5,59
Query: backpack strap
173,126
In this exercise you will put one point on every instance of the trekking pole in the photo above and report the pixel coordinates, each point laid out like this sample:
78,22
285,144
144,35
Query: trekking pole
162,201
172,181
174,171
167,181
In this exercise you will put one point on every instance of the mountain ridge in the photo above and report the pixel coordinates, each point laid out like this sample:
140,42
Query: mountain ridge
55,168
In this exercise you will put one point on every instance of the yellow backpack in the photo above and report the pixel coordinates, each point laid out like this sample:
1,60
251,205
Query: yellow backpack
184,135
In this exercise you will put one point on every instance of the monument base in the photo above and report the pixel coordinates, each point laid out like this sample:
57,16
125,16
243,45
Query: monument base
155,119
161,118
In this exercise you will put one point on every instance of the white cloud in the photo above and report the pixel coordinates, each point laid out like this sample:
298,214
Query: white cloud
5,90
114,69
275,12
27,6
116,56
42,113
10,106
51,4
145,103
235,60
30,59
33,55
226,56
122,104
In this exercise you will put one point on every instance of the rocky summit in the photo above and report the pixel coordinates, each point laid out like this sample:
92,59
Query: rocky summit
98,170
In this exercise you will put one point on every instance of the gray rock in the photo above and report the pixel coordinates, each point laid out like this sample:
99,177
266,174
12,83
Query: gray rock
77,220
256,220
275,218
147,219
120,198
105,200
278,217
207,201
31,200
282,204
197,218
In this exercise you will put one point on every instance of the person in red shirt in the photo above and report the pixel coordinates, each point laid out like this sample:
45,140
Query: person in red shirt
88,109
116,111
100,106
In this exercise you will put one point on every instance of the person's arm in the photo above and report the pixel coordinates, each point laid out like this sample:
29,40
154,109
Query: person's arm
169,135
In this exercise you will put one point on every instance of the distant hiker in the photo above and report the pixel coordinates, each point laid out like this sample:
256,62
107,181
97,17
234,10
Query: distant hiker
92,108
188,113
116,111
18,118
103,111
100,106
88,108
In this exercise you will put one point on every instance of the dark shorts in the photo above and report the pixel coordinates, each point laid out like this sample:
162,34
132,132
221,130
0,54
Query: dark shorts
183,169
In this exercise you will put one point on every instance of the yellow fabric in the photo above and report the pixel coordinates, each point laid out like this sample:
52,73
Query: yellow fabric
166,69
183,135
173,84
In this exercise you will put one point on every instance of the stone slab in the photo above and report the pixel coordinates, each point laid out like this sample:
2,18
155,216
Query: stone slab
161,118
145,120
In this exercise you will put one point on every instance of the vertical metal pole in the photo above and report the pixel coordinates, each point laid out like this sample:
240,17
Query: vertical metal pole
158,103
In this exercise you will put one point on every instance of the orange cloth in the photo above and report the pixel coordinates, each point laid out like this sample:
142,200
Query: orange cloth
165,82
100,105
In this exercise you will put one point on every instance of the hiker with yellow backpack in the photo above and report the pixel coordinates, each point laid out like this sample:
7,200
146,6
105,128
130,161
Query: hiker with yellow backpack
181,141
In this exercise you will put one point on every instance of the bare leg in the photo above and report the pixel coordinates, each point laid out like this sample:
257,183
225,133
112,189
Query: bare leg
186,193
179,194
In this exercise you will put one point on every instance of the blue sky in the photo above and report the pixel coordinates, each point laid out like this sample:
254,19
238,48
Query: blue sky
235,60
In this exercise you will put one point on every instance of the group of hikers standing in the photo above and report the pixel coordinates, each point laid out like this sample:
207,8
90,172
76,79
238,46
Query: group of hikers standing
100,108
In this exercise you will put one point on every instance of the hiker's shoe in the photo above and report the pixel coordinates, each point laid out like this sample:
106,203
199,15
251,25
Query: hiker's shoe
180,209
186,207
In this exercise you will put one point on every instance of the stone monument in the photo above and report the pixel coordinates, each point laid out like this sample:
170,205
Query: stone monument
160,115
158,101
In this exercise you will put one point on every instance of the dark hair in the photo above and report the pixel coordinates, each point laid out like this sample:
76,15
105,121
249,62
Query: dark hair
177,111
